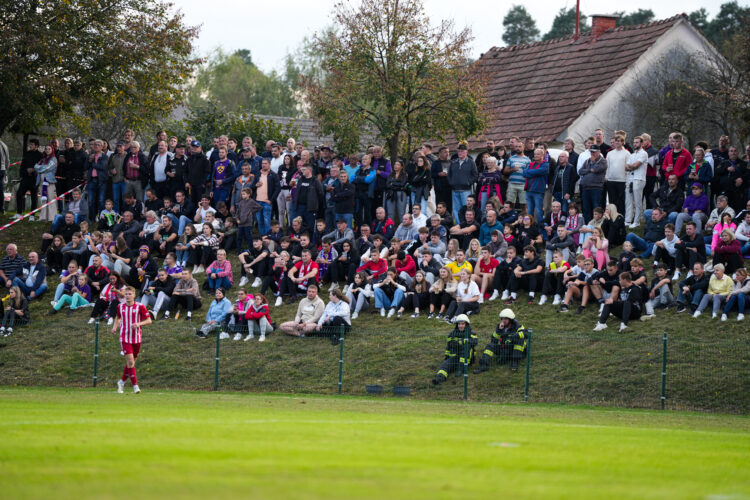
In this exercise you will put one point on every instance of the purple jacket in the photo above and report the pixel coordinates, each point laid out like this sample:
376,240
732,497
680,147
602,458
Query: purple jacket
693,203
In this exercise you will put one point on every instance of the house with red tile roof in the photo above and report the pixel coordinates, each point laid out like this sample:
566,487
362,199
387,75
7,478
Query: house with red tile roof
568,87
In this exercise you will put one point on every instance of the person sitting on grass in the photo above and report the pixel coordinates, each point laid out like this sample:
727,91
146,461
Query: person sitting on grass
665,250
660,296
529,275
359,294
16,312
219,272
739,295
418,296
484,272
728,252
281,266
508,343
309,311
54,257
79,297
300,276
217,315
375,267
466,300
255,262
335,319
457,349
554,279
75,250
258,318
187,293
719,287
31,277
605,284
597,248
68,278
110,297
389,293
442,292
237,321
689,250
626,307
159,292
504,269
203,248
578,288
692,289
561,241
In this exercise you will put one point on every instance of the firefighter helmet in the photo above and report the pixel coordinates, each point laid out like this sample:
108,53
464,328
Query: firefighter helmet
507,313
464,318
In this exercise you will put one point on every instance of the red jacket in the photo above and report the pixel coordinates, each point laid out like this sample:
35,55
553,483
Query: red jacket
256,313
376,269
408,265
679,164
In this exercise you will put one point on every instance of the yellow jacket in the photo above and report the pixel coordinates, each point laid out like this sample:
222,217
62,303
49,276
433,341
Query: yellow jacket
720,286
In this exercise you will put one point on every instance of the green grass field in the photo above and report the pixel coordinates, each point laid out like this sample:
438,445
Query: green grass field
73,443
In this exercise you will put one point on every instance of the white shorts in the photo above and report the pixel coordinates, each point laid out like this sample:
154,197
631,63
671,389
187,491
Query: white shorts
516,193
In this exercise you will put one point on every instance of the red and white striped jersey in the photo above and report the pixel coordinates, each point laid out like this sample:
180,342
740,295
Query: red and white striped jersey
129,316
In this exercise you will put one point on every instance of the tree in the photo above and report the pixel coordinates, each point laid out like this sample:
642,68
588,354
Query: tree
389,71
640,16
519,27
727,23
89,60
234,83
564,24
700,19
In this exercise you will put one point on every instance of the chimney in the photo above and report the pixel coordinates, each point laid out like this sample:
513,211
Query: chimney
601,23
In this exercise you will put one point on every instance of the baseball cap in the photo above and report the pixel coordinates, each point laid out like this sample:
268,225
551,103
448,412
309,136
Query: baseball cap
195,144
463,147
593,147
697,184
247,149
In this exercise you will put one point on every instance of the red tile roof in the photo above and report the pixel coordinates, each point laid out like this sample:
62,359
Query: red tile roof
537,90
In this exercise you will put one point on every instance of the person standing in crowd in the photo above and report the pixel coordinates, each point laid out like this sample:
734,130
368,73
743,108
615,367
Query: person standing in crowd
46,182
267,188
676,161
136,171
536,184
439,170
382,167
27,174
157,169
636,170
592,175
307,198
198,170
616,175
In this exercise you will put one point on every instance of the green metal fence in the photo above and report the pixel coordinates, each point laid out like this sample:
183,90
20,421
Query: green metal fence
602,368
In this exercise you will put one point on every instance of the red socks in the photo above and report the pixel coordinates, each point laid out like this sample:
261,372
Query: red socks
133,377
129,373
125,374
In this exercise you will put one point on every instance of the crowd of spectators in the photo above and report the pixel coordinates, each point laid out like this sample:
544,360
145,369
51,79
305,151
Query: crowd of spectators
433,234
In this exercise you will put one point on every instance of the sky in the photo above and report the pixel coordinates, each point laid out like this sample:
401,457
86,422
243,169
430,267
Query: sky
270,30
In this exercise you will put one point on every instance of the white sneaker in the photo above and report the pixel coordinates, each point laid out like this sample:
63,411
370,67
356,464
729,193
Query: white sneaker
110,321
481,300
243,281
136,389
8,332
600,326
256,283
506,295
120,386
223,335
195,270
495,295
262,338
333,286
696,314
542,300
623,327
647,317
278,302
52,303
2,329
740,317
237,336
714,315
345,290
723,317
391,312
556,301
676,276
200,270
17,216
32,219
601,307
249,336
382,312
355,315
91,321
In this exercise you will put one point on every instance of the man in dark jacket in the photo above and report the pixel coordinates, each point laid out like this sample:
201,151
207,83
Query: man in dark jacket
626,307
28,177
198,171
176,171
343,199
592,174
563,180
307,199
693,289
508,343
462,174
731,177
31,277
182,211
653,233
669,198
439,171
97,174
690,249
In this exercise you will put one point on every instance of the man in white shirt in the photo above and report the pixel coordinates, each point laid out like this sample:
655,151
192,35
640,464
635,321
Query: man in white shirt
277,157
419,219
636,182
616,175
158,169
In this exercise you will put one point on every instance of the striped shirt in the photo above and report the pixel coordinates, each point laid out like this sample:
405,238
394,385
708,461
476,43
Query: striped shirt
518,161
129,316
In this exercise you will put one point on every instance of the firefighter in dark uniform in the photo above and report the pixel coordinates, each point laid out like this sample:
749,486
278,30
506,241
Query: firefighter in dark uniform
508,343
455,350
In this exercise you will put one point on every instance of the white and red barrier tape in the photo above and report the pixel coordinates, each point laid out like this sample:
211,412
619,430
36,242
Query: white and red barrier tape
58,197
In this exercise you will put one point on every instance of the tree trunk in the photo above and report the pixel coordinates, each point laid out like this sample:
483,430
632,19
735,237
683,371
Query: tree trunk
392,144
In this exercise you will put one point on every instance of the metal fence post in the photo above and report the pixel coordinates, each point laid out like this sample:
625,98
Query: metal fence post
216,369
96,351
466,363
341,357
528,367
664,372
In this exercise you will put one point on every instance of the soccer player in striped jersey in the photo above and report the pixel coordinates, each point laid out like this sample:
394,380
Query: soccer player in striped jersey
131,316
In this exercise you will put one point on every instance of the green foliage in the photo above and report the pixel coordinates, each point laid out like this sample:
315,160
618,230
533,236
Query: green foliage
519,27
640,16
728,22
564,24
91,61
386,69
235,84
700,19
207,120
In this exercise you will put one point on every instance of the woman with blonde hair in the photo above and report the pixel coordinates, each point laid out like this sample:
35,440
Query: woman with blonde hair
16,311
442,292
613,225
739,294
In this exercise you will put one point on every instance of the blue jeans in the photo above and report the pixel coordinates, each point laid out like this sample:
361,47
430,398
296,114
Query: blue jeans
308,217
220,195
97,192
640,244
222,282
59,219
459,200
118,189
737,298
183,255
422,203
347,217
27,290
559,197
263,217
383,302
671,217
244,233
184,221
590,199
694,298
745,250
535,205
